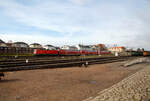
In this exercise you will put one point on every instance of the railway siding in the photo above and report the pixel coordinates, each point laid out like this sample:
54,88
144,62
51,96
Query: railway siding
133,88
16,66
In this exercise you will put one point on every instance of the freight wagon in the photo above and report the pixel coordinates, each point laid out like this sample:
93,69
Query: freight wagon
135,53
15,50
146,53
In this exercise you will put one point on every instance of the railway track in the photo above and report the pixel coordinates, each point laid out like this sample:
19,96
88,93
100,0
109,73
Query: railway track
19,61
36,58
23,64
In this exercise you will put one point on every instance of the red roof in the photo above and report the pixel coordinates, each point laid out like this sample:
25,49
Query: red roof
101,45
119,47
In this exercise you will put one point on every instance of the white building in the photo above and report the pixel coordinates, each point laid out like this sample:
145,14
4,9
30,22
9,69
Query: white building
49,47
66,47
84,47
117,49
2,43
20,44
35,45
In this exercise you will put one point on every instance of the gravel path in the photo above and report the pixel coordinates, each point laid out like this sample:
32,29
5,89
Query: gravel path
133,88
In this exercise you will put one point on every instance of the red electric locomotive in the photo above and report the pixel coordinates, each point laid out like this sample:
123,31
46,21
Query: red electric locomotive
46,52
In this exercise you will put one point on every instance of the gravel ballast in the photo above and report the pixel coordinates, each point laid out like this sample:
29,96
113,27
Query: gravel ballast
133,88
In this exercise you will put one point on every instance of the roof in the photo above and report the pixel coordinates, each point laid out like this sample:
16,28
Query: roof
20,43
69,46
73,47
119,47
1,41
50,45
84,46
101,45
35,44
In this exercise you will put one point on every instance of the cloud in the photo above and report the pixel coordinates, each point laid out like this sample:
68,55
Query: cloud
55,16
80,2
86,21
143,32
32,38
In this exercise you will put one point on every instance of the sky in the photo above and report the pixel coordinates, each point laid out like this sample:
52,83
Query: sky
69,22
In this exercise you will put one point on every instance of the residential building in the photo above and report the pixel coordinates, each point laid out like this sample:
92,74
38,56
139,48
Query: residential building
20,44
67,47
50,47
84,47
117,49
100,47
2,43
35,45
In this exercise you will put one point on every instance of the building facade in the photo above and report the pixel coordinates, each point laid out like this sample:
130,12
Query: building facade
117,49
50,47
20,44
67,47
84,47
35,45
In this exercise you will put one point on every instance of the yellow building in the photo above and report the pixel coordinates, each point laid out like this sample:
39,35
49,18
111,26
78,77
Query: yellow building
117,49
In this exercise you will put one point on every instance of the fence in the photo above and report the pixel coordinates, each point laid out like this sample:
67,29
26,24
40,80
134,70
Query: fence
15,50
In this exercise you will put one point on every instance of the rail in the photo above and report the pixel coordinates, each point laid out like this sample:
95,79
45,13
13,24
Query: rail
36,64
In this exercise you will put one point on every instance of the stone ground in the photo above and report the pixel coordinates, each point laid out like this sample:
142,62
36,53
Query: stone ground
70,84
133,88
